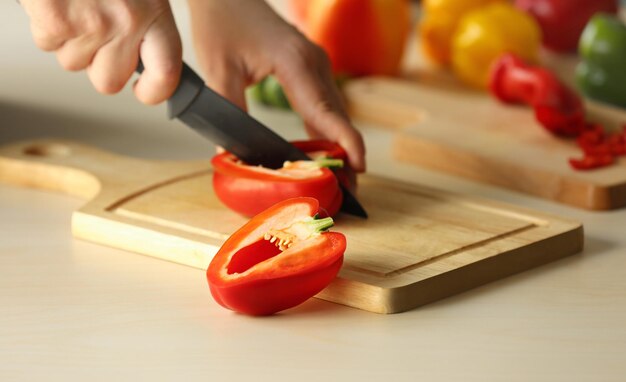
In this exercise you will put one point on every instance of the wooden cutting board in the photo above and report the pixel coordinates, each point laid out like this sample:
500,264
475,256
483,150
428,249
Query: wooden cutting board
446,127
419,245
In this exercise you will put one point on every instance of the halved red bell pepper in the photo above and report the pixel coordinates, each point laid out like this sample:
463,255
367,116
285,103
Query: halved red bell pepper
249,190
279,259
321,148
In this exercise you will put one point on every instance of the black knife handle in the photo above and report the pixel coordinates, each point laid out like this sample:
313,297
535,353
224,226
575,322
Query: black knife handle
189,87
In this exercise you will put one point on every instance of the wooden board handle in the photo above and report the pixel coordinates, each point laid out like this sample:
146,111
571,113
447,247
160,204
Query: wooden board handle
67,167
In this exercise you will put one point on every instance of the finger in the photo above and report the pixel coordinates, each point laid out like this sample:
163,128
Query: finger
78,53
47,41
161,54
228,80
314,95
50,26
220,62
113,65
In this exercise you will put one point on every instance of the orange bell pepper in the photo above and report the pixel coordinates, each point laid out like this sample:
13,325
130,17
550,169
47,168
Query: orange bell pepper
439,23
361,37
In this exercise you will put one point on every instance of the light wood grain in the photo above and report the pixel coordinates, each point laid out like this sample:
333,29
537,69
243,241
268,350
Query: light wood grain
466,133
419,245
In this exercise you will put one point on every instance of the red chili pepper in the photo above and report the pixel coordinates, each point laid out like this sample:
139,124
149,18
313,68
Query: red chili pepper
557,107
277,260
249,190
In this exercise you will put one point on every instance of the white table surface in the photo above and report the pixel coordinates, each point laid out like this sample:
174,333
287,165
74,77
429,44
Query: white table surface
72,310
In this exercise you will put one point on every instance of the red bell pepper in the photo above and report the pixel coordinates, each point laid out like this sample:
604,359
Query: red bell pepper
562,21
320,148
557,107
249,190
277,260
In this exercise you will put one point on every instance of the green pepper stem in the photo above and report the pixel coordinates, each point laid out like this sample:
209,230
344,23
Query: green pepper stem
329,162
320,225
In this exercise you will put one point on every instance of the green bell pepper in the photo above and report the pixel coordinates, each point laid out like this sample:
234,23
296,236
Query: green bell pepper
269,92
602,72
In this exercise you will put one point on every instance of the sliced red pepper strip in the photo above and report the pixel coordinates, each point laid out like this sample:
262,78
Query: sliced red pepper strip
619,150
594,141
589,162
249,190
598,150
591,136
617,144
277,260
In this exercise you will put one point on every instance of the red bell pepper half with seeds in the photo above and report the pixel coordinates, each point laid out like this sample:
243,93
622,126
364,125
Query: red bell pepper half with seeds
249,190
279,259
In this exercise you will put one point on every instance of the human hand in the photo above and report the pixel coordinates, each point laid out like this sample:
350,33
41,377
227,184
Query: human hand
107,38
239,42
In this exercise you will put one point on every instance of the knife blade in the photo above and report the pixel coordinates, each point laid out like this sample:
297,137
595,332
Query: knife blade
226,125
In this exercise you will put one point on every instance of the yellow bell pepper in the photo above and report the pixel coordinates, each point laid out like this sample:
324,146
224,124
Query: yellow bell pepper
437,27
485,34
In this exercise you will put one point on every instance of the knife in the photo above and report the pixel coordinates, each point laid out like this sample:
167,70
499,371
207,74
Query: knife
225,124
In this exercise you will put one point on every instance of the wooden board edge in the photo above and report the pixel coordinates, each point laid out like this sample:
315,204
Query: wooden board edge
122,233
588,196
355,294
411,296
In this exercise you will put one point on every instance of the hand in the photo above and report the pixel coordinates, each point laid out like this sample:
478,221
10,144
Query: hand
239,42
107,37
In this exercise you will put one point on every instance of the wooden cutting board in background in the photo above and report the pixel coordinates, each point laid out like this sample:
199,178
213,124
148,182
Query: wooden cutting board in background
419,245
446,127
